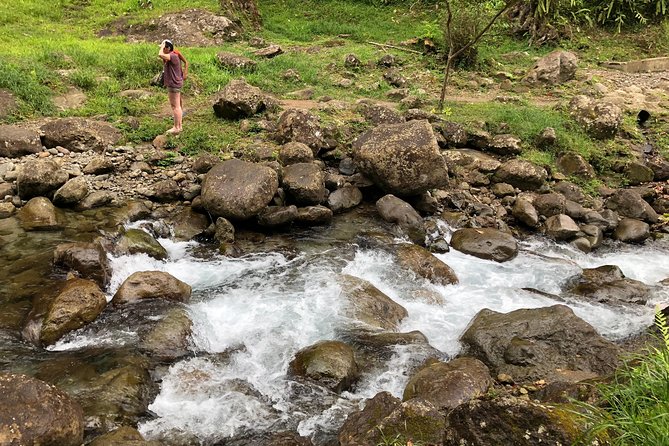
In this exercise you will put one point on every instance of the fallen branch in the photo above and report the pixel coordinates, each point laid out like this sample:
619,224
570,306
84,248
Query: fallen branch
384,45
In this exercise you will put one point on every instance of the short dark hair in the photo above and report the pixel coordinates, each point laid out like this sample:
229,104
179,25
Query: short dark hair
168,44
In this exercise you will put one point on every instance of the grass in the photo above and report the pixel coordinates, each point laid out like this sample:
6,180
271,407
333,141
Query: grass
635,405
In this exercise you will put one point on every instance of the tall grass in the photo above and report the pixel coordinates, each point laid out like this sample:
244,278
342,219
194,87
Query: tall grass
635,405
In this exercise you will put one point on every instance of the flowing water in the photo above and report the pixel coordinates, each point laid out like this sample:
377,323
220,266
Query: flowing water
264,307
251,314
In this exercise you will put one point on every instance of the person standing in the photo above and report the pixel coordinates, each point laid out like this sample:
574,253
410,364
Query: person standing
174,75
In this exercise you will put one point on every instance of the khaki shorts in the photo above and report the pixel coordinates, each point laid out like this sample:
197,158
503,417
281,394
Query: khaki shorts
174,89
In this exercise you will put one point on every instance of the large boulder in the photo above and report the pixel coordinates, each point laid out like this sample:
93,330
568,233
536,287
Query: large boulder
549,343
525,212
561,227
330,363
628,203
169,338
600,119
385,417
397,211
485,243
80,134
421,261
369,305
449,384
630,230
39,178
402,159
240,100
608,284
510,421
16,141
78,303
137,241
301,126
553,69
304,183
39,214
187,224
89,260
238,189
36,413
71,193
151,285
521,174
550,204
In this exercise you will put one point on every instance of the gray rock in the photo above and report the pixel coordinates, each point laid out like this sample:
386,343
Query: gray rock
151,285
295,152
630,230
573,164
485,243
225,231
561,227
521,174
600,119
638,173
39,178
369,306
233,61
71,193
16,142
505,145
95,200
238,189
276,216
313,215
330,363
397,211
345,198
304,183
80,134
240,100
269,52
553,69
89,260
629,203
39,214
422,263
524,212
99,165
301,126
379,114
607,284
550,204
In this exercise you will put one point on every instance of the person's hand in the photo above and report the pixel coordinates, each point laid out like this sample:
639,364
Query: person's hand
162,45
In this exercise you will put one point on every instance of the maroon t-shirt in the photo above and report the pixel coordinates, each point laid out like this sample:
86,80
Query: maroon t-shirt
174,76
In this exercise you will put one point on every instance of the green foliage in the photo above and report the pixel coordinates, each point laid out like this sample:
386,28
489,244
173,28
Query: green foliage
466,22
635,409
32,86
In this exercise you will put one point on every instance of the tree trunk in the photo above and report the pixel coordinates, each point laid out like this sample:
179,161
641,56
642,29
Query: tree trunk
243,10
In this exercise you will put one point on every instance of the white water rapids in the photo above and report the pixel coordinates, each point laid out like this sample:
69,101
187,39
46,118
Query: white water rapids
262,308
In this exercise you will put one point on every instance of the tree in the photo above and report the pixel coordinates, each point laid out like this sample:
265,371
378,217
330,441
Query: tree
454,52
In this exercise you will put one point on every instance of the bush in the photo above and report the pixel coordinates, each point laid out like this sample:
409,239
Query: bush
635,405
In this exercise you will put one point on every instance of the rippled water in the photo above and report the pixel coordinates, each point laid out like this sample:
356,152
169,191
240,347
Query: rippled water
251,314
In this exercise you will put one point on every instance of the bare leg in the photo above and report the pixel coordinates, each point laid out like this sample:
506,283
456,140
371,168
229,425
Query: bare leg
175,103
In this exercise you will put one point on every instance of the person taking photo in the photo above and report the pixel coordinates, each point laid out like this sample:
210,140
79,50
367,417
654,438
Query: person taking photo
174,75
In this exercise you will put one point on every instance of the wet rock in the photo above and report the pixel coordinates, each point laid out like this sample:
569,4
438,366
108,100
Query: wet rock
151,285
397,211
345,198
16,142
485,243
294,153
301,126
169,339
379,114
233,61
347,166
78,303
403,159
39,215
313,215
205,163
544,343
71,193
36,413
553,69
575,210
6,210
629,203
89,260
447,385
561,227
304,183
330,363
573,164
521,174
524,212
123,436
80,134
238,189
240,100
384,416
137,241
98,166
600,119
39,178
187,224
508,420
225,231
419,260
96,199
277,216
630,230
367,304
607,284
165,191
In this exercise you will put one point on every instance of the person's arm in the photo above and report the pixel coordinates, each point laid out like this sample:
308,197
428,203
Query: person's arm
183,59
161,54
